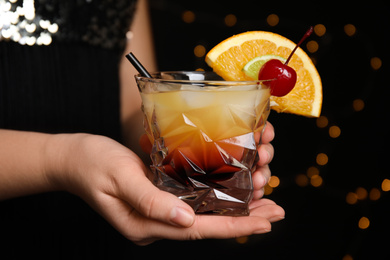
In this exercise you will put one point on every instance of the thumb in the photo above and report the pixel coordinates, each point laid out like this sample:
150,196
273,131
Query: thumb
154,203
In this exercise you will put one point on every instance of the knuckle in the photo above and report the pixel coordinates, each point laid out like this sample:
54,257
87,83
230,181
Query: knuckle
146,204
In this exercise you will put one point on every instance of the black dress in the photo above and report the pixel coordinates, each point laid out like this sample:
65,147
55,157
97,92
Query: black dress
59,73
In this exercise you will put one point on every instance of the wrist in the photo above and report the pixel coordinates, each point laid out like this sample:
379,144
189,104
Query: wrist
26,163
59,154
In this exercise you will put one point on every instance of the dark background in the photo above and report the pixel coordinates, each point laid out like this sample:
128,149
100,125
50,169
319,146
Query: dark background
320,223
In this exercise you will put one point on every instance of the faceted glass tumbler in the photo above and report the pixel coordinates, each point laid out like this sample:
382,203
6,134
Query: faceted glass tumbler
205,133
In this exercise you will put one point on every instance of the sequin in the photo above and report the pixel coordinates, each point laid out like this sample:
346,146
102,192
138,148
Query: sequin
101,23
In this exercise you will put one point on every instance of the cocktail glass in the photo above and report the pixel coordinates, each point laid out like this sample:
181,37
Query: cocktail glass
205,133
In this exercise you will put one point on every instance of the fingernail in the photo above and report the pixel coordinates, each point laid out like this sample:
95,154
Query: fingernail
275,219
182,217
262,231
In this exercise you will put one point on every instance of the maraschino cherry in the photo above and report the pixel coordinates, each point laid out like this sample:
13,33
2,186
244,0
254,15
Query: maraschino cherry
284,76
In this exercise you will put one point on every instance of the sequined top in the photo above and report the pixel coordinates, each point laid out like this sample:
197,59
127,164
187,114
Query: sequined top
101,23
59,64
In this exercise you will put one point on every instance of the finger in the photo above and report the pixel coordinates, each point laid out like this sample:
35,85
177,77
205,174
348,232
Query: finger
124,218
143,231
222,227
268,134
266,154
261,177
150,201
268,209
213,227
259,203
258,194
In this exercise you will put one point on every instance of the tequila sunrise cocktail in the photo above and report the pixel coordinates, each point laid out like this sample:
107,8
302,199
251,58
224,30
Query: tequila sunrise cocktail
205,133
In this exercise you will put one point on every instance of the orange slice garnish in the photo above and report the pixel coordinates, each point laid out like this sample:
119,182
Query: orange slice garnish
230,56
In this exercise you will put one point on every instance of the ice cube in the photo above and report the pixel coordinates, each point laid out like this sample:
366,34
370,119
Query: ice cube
197,99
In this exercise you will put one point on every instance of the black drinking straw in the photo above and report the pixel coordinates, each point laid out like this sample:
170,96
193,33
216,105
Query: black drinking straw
137,65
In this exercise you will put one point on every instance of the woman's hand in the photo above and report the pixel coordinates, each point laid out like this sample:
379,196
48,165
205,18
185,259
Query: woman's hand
262,173
112,180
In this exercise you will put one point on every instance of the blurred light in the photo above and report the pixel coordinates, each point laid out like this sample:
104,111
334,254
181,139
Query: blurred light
53,28
322,159
361,193
199,69
319,29
268,190
312,171
347,257
273,19
188,16
242,240
349,29
31,27
230,20
358,104
31,40
129,35
334,131
322,122
29,9
351,198
274,181
374,194
44,24
376,63
199,51
301,180
364,223
316,181
312,46
386,185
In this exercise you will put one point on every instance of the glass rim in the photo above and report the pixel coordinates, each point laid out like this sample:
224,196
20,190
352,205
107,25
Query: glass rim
208,82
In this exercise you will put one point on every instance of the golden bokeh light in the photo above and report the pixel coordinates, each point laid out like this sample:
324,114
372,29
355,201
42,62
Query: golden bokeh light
242,240
268,190
347,257
374,194
361,193
364,223
301,180
312,46
273,19
199,51
376,63
316,181
188,16
334,131
319,29
351,198
349,29
386,185
322,159
358,105
230,20
322,122
312,171
274,181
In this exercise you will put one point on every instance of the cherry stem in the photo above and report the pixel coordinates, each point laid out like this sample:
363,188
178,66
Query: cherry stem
307,34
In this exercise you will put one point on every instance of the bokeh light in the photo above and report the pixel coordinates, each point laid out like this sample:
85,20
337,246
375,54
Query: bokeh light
364,223
350,29
272,19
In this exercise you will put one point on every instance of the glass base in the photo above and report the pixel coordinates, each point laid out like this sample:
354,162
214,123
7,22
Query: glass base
223,194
